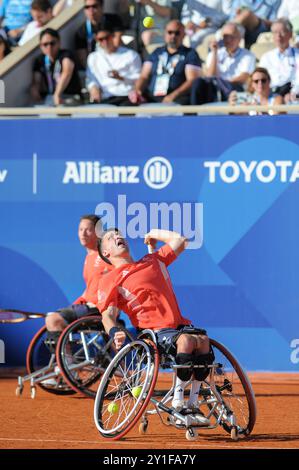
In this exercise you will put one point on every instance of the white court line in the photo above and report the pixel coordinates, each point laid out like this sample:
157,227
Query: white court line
132,443
34,173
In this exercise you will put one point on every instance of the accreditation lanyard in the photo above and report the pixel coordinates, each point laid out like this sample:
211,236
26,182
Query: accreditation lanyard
89,36
52,79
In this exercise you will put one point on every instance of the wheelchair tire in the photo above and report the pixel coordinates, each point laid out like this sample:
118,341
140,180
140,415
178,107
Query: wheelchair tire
235,388
38,356
126,388
84,341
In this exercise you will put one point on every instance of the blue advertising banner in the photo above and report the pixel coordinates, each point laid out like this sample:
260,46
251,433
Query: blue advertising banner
230,184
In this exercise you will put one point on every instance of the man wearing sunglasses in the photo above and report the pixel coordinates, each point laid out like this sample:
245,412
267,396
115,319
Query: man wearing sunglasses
85,41
55,77
168,73
111,70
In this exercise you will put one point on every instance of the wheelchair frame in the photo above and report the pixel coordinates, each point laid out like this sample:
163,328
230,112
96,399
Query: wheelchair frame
211,395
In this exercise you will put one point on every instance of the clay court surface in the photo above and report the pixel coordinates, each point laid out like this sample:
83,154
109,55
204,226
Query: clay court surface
55,422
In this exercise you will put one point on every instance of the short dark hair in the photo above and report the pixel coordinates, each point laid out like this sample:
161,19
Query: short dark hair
100,2
41,5
103,26
52,32
92,217
115,229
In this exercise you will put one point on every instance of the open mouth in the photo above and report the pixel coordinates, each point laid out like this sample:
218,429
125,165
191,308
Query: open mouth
120,242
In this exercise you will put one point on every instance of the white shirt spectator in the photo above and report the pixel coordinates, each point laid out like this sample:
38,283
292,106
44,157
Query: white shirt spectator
283,67
32,29
125,61
230,66
288,9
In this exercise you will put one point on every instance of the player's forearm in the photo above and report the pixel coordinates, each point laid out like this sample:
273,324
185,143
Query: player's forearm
109,318
174,239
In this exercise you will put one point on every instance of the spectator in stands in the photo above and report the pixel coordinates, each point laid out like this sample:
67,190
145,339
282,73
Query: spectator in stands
227,68
85,42
290,9
160,11
55,78
283,62
201,18
121,8
259,91
168,73
255,15
41,12
14,17
111,71
4,45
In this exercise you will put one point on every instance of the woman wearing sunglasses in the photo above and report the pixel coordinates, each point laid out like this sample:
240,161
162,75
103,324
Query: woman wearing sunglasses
259,92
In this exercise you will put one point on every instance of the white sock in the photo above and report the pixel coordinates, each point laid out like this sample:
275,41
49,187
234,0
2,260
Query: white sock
195,387
179,389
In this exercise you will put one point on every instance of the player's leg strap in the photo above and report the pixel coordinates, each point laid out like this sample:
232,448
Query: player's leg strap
183,359
203,360
52,340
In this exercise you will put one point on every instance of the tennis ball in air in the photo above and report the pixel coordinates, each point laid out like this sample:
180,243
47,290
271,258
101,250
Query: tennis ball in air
148,22
113,408
136,391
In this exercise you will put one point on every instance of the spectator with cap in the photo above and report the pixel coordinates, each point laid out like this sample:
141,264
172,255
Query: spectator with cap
55,78
201,18
256,16
41,12
111,70
228,68
4,44
14,17
168,73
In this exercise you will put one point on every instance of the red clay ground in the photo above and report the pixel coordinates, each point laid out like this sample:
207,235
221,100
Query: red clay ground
51,422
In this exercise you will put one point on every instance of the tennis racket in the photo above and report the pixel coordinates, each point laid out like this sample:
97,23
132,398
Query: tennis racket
10,315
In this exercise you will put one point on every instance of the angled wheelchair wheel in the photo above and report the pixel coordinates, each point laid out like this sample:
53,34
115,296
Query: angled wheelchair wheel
126,388
38,357
83,353
231,383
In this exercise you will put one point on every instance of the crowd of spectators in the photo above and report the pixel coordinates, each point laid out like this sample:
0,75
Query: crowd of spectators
162,64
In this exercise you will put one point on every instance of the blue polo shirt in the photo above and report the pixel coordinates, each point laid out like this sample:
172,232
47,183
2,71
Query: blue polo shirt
16,13
172,64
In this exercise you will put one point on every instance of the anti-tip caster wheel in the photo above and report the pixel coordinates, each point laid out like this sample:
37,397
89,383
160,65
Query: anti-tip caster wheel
33,392
191,434
234,433
19,391
143,427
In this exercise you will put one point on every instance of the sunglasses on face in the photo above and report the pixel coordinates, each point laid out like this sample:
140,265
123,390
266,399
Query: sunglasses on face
262,80
103,38
176,33
94,6
48,44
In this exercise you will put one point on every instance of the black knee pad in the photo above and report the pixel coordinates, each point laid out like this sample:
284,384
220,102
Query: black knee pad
183,359
203,360
52,340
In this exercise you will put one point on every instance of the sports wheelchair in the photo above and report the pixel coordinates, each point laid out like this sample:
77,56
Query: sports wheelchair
82,354
128,385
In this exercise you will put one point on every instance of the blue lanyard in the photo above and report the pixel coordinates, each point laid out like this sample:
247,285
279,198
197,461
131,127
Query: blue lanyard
89,35
49,75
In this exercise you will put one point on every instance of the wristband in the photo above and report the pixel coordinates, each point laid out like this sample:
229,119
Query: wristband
114,330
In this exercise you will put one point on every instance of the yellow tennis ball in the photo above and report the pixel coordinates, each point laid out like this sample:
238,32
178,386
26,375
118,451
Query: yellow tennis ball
148,22
113,408
136,391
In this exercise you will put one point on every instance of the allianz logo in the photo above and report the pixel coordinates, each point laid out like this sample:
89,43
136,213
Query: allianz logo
157,173
3,175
